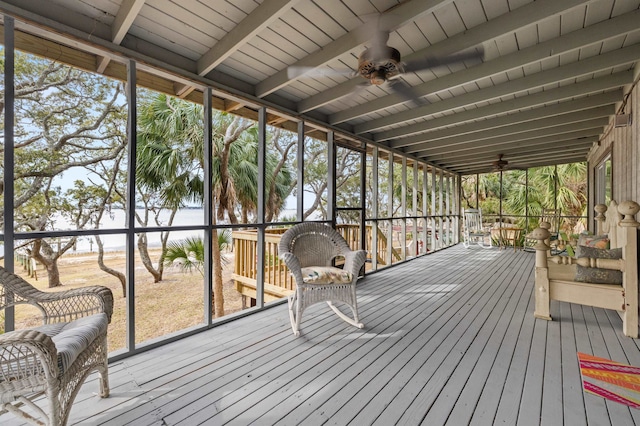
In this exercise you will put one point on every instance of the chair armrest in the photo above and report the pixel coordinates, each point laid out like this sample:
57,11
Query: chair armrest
353,261
293,264
67,305
27,359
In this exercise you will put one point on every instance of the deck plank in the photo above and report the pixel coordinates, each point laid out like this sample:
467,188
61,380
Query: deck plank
572,394
323,404
450,338
465,383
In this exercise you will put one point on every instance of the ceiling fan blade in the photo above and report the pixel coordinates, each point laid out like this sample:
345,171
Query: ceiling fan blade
295,71
435,61
406,91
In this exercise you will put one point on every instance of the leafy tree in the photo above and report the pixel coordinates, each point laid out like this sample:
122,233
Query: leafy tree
188,254
562,186
65,119
171,163
315,176
168,167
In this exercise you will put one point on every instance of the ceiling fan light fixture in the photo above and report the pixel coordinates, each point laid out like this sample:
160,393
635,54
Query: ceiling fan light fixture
500,164
379,64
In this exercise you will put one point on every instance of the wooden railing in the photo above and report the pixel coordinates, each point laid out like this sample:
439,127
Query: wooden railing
278,282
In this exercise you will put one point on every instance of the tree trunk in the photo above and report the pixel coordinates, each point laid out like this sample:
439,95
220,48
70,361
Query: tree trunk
146,260
43,253
218,295
119,275
54,274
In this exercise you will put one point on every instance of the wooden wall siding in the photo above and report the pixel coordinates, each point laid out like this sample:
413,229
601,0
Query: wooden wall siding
624,143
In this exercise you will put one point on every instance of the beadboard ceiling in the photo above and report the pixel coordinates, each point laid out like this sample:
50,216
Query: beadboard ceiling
553,72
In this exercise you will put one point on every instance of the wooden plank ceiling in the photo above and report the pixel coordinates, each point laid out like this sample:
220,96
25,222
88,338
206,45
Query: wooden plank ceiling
552,74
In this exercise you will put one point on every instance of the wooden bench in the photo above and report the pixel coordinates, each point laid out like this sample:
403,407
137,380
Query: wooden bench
555,275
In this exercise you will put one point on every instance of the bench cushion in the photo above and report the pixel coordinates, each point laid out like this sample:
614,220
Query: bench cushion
598,275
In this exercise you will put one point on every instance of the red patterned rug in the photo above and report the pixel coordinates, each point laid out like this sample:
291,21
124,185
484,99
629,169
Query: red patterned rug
611,380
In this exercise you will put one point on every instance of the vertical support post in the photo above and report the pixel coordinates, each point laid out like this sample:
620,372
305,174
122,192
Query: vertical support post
441,207
262,148
300,173
447,208
629,226
500,202
374,209
390,210
425,207
208,207
363,198
456,208
414,213
132,125
477,190
9,144
403,210
331,178
526,200
434,226
541,281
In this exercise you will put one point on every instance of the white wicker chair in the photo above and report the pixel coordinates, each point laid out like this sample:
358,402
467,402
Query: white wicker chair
55,358
314,245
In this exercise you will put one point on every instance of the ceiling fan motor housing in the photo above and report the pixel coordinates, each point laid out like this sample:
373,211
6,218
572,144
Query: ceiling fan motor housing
379,64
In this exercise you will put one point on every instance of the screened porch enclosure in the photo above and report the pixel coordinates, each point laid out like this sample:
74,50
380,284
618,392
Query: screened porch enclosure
161,148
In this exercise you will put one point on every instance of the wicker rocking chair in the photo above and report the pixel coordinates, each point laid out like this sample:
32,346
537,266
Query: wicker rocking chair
55,358
308,250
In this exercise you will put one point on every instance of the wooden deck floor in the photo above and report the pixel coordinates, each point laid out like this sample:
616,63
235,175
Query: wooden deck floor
449,339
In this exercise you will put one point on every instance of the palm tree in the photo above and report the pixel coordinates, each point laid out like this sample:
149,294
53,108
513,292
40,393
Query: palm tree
562,187
188,254
171,163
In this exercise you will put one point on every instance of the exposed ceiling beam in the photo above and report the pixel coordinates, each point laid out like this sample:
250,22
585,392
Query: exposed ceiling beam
538,99
389,20
544,160
517,128
571,131
329,95
517,151
252,24
496,27
596,33
127,13
587,66
520,163
607,98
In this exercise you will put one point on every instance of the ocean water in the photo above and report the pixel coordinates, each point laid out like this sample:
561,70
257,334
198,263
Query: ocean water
116,220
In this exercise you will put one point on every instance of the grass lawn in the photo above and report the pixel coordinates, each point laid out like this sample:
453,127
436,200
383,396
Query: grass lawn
173,304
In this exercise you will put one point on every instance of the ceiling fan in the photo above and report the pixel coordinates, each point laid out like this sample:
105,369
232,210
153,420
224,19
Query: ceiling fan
380,64
500,164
